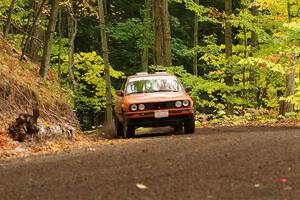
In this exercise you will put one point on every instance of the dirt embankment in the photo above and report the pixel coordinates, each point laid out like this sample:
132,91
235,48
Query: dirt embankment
21,89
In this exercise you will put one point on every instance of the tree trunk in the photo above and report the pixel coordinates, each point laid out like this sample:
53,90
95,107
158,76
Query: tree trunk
106,61
244,67
106,8
254,39
147,30
59,30
254,45
8,23
289,11
34,45
228,51
167,33
285,106
196,36
45,64
228,29
31,14
162,33
32,29
72,32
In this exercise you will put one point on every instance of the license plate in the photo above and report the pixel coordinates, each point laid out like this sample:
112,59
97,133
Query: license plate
161,114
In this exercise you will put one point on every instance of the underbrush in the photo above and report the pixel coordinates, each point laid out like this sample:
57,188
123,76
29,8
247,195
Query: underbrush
252,118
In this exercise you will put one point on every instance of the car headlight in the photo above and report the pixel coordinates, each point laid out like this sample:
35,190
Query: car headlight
185,103
178,104
141,107
133,107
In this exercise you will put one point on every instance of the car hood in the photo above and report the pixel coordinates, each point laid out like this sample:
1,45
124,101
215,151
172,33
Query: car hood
156,97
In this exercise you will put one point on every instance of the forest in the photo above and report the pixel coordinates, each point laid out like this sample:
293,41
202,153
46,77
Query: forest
240,56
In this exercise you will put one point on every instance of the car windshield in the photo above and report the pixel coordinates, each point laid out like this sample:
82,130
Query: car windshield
150,84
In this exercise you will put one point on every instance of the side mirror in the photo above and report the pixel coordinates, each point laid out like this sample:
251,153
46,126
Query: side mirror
188,88
120,93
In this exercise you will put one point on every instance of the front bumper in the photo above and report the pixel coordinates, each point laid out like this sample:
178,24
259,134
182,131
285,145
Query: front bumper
149,114
147,119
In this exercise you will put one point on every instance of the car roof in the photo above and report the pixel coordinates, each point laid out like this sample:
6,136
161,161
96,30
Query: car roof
145,74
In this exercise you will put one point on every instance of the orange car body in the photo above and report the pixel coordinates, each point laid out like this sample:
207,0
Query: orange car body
159,108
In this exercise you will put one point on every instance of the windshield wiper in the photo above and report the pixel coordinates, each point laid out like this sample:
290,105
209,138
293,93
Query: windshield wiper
140,92
165,91
135,92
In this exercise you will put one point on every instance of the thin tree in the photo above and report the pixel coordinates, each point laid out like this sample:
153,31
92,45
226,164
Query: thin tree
106,61
30,15
228,51
8,23
285,106
34,45
36,17
196,41
45,64
253,40
146,31
162,33
72,32
60,35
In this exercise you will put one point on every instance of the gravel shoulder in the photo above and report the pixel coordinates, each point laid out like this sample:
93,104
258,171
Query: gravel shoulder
217,163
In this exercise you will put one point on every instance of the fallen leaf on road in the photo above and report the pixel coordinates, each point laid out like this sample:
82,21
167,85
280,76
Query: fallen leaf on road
36,149
282,180
141,186
257,185
91,149
288,188
19,150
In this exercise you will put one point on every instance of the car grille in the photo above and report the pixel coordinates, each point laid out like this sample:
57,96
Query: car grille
160,105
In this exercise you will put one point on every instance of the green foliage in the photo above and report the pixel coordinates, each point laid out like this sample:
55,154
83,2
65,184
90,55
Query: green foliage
20,14
89,95
4,4
288,38
209,96
200,10
89,74
15,39
123,31
265,47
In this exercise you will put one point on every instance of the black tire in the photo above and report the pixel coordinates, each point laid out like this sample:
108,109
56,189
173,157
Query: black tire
189,126
178,128
128,131
119,127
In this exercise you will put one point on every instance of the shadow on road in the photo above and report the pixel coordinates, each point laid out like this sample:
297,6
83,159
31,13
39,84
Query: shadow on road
157,132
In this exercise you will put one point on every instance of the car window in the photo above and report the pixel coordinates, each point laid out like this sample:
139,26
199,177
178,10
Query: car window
153,84
123,85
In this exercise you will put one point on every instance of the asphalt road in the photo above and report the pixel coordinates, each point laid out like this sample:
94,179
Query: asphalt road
220,163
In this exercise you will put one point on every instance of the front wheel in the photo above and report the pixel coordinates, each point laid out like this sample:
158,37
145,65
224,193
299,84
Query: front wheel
189,126
178,128
119,127
128,131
